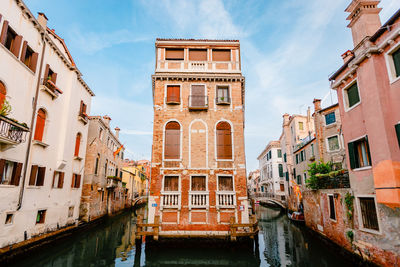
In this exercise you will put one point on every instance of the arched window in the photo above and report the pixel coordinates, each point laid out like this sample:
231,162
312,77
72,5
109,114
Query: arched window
172,140
3,93
40,124
77,144
224,141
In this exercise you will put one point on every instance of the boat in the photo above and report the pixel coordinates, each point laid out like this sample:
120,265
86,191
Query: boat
296,216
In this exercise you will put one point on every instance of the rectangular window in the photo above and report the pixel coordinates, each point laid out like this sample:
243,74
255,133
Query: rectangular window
96,166
198,183
70,211
270,154
330,118
396,61
359,153
221,55
173,94
297,158
332,212
198,97
76,180
333,143
287,176
82,109
10,172
29,57
298,179
37,175
279,153
40,217
305,177
368,213
198,54
284,157
9,218
301,126
223,95
280,167
174,53
352,95
312,150
225,183
171,183
58,179
397,128
282,187
10,39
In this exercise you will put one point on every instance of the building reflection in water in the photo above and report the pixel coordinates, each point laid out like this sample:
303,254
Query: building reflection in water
112,243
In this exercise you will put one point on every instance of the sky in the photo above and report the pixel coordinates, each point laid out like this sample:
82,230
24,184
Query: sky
289,48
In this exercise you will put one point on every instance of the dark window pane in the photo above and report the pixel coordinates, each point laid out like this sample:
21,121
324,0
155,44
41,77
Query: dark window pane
368,212
330,118
225,183
352,94
171,183
396,60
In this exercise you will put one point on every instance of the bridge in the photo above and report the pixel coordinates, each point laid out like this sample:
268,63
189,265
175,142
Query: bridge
139,200
269,199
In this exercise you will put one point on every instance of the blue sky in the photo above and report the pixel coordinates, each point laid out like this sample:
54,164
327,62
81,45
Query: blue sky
288,49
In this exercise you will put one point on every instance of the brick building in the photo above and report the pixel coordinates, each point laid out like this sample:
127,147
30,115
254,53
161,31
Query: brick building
198,176
103,191
368,87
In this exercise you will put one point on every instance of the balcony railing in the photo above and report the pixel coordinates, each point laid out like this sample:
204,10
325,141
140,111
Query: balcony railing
171,200
198,199
83,117
199,65
11,132
51,88
226,199
198,102
223,100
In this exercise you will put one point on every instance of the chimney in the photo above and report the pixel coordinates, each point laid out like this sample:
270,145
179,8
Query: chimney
317,104
347,55
107,120
285,119
364,19
42,19
117,132
308,114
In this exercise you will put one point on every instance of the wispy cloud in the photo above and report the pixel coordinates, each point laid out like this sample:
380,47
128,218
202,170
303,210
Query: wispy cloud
136,132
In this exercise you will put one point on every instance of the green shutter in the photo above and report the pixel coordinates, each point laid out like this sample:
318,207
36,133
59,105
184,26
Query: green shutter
280,170
294,173
287,176
352,94
369,152
352,156
396,61
297,159
397,127
284,157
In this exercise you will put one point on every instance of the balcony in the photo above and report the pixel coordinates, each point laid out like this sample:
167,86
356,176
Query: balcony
12,132
49,87
170,200
83,117
198,102
223,100
198,66
225,199
113,181
198,199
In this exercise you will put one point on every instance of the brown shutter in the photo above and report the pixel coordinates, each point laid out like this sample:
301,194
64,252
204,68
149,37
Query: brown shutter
81,107
198,54
1,17
227,144
78,181
174,54
221,55
23,53
54,178
172,140
32,178
34,60
2,163
41,175
73,180
4,30
224,141
16,45
61,180
220,144
54,77
46,73
16,173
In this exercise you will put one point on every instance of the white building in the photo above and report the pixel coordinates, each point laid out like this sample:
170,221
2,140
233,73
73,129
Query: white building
253,182
272,179
41,164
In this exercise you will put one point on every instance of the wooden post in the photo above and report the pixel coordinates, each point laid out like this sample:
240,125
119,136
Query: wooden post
157,227
139,222
233,229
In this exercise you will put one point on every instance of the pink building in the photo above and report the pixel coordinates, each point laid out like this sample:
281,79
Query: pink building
368,87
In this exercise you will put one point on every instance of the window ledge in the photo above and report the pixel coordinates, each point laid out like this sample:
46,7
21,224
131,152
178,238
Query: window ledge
83,118
44,88
173,103
40,143
8,186
224,160
375,232
392,81
331,125
78,158
33,187
347,109
362,168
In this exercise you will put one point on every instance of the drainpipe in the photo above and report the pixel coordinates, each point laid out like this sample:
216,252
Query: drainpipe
28,150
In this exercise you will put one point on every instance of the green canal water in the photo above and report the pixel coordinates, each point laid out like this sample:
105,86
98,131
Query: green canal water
112,243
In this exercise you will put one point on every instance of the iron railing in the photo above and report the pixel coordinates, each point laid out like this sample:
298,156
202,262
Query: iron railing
11,131
223,100
198,102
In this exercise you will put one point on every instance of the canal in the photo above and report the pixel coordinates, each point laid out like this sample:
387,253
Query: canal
281,243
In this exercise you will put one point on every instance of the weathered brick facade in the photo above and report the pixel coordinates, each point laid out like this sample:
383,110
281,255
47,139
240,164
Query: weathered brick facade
212,208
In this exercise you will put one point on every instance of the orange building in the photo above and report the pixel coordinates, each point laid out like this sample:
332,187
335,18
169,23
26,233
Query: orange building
198,172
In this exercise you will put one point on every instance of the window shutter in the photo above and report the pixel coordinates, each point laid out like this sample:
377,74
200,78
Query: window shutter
78,181
73,180
23,53
34,60
2,164
352,94
220,144
304,154
397,127
198,54
294,173
41,175
221,55
352,156
396,61
4,32
77,144
284,157
16,173
227,143
61,180
32,178
54,77
16,45
46,73
297,158
40,123
368,150
54,178
174,54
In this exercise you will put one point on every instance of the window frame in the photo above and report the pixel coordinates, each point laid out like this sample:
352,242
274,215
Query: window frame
334,207
226,175
327,143
229,100
35,185
12,218
163,183
359,213
43,220
61,174
166,103
346,106
368,154
195,175
180,140
216,144
390,63
332,123
173,59
218,49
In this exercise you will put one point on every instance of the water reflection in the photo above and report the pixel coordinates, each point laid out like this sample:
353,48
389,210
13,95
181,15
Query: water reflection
281,243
